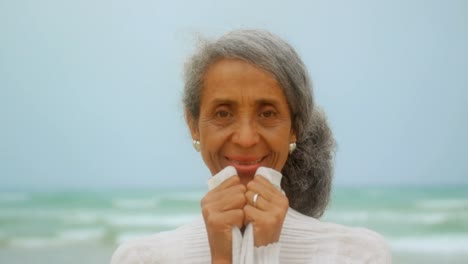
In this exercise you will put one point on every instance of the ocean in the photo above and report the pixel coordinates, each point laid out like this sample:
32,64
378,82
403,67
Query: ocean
421,224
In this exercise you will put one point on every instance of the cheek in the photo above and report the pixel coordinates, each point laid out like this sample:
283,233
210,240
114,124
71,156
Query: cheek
212,140
278,141
278,138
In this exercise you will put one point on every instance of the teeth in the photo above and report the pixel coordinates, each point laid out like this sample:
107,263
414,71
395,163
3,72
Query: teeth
246,163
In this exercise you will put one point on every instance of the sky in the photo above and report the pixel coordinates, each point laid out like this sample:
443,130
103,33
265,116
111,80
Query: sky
90,90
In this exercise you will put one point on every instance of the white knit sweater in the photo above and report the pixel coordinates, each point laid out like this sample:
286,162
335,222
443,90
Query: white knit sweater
303,240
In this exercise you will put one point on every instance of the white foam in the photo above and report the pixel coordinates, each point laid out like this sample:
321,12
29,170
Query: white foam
125,236
429,218
347,216
80,235
194,196
33,242
149,220
384,216
443,204
82,217
136,203
68,236
434,244
74,216
27,213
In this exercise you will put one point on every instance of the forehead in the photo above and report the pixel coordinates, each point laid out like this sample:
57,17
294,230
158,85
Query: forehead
237,81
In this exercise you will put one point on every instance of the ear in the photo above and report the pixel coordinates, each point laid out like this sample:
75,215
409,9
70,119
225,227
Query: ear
293,136
192,125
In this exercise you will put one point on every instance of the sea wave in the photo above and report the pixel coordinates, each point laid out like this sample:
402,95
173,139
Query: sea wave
9,197
51,214
82,217
424,218
149,220
192,196
441,244
26,213
33,242
136,203
443,204
82,234
434,244
68,236
125,236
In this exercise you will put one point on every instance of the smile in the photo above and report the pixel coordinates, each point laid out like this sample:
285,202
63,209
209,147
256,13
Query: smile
245,162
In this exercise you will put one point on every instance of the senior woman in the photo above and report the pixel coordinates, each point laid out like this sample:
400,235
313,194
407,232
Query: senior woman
250,111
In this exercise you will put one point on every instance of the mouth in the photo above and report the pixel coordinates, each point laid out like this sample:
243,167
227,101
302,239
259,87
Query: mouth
246,166
244,162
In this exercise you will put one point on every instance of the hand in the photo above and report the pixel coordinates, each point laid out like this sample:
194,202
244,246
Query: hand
222,209
268,216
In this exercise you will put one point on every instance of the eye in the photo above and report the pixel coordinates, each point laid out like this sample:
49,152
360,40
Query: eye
267,114
222,114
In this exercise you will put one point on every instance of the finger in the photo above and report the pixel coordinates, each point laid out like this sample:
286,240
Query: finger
267,184
235,217
251,214
279,202
227,199
266,227
248,217
226,189
225,220
264,188
260,203
236,201
255,215
234,180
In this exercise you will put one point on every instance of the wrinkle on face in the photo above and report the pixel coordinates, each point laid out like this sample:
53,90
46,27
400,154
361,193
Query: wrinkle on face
244,114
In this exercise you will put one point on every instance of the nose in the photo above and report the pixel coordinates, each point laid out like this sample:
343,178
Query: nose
246,134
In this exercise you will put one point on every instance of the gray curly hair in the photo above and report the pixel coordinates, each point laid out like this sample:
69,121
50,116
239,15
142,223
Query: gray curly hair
307,174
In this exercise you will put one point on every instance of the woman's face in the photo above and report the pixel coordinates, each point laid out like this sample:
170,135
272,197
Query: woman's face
244,119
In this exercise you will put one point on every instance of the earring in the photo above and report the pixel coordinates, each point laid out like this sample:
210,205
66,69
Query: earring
292,147
196,145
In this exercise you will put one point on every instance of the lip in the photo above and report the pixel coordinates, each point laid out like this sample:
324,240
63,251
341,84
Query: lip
245,165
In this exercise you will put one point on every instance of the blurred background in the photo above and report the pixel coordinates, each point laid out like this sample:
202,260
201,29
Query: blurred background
94,149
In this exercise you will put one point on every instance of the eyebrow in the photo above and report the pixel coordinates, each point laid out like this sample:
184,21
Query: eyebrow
228,101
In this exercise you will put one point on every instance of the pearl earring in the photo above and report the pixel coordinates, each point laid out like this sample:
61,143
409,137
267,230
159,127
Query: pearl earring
292,147
196,145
